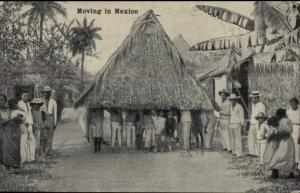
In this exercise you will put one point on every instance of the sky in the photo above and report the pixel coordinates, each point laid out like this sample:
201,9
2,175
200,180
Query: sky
176,18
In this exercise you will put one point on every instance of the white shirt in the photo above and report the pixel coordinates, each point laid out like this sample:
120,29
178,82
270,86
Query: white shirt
262,131
159,123
51,109
294,115
186,116
27,109
237,114
257,108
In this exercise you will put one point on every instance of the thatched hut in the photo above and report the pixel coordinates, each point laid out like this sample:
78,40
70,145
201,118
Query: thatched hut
146,72
274,72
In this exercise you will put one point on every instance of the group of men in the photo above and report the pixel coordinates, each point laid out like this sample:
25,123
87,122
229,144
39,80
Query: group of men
232,123
40,119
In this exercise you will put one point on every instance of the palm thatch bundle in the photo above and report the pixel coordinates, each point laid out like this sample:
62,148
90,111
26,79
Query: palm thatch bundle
146,72
228,16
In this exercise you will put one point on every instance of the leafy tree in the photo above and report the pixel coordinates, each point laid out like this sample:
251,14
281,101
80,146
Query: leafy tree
82,40
43,11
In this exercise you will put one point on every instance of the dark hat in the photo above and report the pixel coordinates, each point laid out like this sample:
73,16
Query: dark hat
224,91
294,99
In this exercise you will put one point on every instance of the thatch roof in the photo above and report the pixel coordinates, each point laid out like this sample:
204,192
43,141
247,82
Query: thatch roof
181,44
146,72
211,63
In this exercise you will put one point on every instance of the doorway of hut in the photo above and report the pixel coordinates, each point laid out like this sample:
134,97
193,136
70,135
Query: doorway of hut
240,86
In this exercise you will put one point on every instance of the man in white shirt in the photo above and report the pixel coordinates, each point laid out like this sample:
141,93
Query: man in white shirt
27,143
50,109
293,114
257,107
224,119
236,124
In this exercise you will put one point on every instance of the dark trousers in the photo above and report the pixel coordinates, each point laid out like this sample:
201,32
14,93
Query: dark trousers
97,144
50,133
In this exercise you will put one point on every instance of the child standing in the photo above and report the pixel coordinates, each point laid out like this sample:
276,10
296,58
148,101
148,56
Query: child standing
261,130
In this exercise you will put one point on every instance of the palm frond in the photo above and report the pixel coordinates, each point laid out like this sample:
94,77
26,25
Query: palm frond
59,8
272,16
91,24
228,16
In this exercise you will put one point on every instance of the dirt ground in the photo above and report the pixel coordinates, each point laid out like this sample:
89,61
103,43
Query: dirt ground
79,169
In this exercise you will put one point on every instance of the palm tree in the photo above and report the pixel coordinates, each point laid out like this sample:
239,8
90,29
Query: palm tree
42,11
83,38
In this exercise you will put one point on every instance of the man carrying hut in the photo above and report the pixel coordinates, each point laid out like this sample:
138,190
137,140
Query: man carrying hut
130,117
209,127
224,119
159,122
186,121
294,115
236,124
95,120
116,127
49,107
149,131
256,108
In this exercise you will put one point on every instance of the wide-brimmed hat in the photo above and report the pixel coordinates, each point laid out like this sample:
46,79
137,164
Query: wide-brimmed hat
47,89
36,101
224,91
233,97
261,115
255,94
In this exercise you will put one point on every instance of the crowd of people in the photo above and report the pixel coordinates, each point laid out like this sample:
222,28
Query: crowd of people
26,129
274,140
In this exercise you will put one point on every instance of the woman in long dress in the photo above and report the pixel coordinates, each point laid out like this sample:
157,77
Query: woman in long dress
12,136
4,117
279,154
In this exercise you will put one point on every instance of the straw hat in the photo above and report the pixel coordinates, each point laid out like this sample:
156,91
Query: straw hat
47,89
36,101
224,91
255,94
261,115
233,97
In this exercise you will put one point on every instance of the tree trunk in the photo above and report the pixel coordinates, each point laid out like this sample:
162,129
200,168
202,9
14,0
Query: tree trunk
41,27
82,62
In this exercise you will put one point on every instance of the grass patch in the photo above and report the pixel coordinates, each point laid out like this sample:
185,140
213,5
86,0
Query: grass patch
27,178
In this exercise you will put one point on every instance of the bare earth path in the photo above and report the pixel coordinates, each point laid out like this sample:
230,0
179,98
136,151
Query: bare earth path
78,169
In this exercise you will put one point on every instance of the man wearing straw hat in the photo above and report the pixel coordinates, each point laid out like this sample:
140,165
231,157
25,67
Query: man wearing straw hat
49,107
256,108
38,124
224,119
236,124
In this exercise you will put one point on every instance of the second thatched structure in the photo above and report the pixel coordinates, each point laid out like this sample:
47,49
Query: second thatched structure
146,72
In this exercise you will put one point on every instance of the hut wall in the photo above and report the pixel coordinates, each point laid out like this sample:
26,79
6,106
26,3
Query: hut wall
278,86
